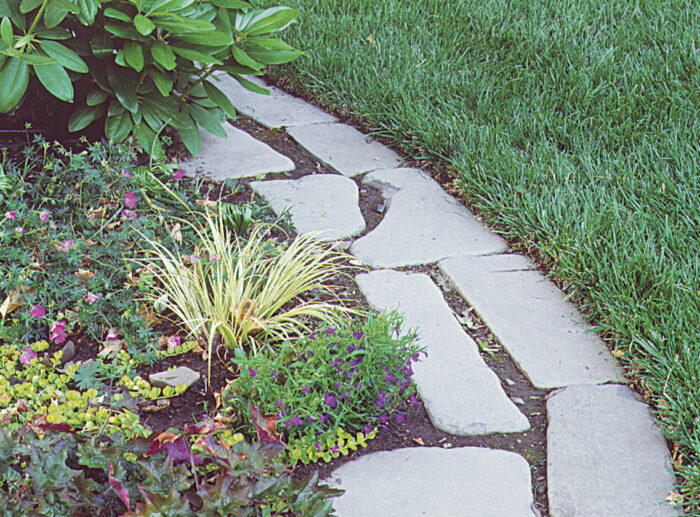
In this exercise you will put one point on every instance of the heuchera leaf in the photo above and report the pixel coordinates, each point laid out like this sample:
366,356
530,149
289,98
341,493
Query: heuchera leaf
267,432
117,486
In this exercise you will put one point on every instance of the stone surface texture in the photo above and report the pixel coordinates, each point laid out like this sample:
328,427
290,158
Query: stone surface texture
175,377
344,148
325,203
543,333
237,156
605,455
434,482
422,225
461,394
279,109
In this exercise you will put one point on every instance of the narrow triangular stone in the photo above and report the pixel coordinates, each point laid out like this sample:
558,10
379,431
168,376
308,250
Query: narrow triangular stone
422,225
323,203
461,394
279,109
545,335
237,156
419,482
344,148
605,455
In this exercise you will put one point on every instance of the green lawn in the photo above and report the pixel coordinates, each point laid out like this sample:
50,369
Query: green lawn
573,127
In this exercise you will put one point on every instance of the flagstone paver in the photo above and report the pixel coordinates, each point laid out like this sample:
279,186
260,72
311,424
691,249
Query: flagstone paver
605,455
422,225
460,392
344,148
279,109
237,156
325,203
434,482
543,333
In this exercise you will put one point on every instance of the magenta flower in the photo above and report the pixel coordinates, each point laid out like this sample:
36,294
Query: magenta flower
324,417
174,342
92,298
358,335
330,331
68,244
111,336
305,390
126,174
318,446
383,419
130,199
19,231
58,332
179,174
44,216
11,215
252,372
367,429
27,356
330,400
413,399
129,214
38,311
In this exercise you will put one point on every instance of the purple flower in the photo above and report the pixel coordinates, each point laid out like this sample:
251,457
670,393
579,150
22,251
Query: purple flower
27,356
44,216
19,231
358,335
126,174
297,421
383,418
338,385
335,449
92,298
275,374
305,390
129,214
381,400
252,372
390,378
351,349
312,336
330,331
68,244
130,199
400,418
37,311
324,417
318,446
111,336
367,429
330,400
174,342
11,215
179,174
279,403
413,399
311,420
58,332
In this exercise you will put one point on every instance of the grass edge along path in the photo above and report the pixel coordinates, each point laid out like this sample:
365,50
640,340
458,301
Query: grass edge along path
573,130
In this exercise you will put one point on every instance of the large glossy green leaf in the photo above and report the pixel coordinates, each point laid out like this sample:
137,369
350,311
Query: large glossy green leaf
101,46
88,11
36,59
241,70
250,85
85,116
64,56
147,138
124,31
95,97
273,57
191,26
54,15
231,4
56,80
210,38
243,59
124,86
206,119
11,8
169,6
161,80
152,117
6,31
14,77
118,127
192,140
111,12
58,33
66,5
163,55
28,5
143,25
220,99
194,55
269,20
133,53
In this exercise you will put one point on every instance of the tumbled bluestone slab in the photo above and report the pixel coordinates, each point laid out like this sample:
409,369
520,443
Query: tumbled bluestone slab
344,148
543,333
176,377
469,481
605,455
325,203
461,394
423,224
237,156
279,109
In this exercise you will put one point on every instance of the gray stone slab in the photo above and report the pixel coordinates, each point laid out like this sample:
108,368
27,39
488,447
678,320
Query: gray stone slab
237,156
279,109
605,455
325,203
461,394
434,482
344,148
543,333
176,377
423,224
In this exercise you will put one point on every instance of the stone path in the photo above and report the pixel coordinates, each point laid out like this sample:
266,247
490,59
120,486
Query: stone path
605,455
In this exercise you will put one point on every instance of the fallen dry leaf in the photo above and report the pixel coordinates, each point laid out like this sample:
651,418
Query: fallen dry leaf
13,301
419,441
674,498
84,275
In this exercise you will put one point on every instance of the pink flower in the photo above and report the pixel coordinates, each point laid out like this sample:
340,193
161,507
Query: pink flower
27,356
19,231
126,174
11,215
174,342
44,216
111,335
130,200
92,298
179,174
58,332
68,244
38,311
129,214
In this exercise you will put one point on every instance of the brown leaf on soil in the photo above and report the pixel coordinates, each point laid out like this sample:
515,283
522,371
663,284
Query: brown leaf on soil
112,226
95,215
84,275
148,315
90,243
674,498
13,301
419,441
154,408
267,433
206,202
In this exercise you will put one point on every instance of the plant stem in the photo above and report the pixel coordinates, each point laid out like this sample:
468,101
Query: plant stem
38,16
183,97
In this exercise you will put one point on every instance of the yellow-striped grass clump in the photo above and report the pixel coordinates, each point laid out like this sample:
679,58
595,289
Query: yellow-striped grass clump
247,290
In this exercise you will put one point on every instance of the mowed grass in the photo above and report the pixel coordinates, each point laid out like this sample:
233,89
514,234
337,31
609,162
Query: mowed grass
572,127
